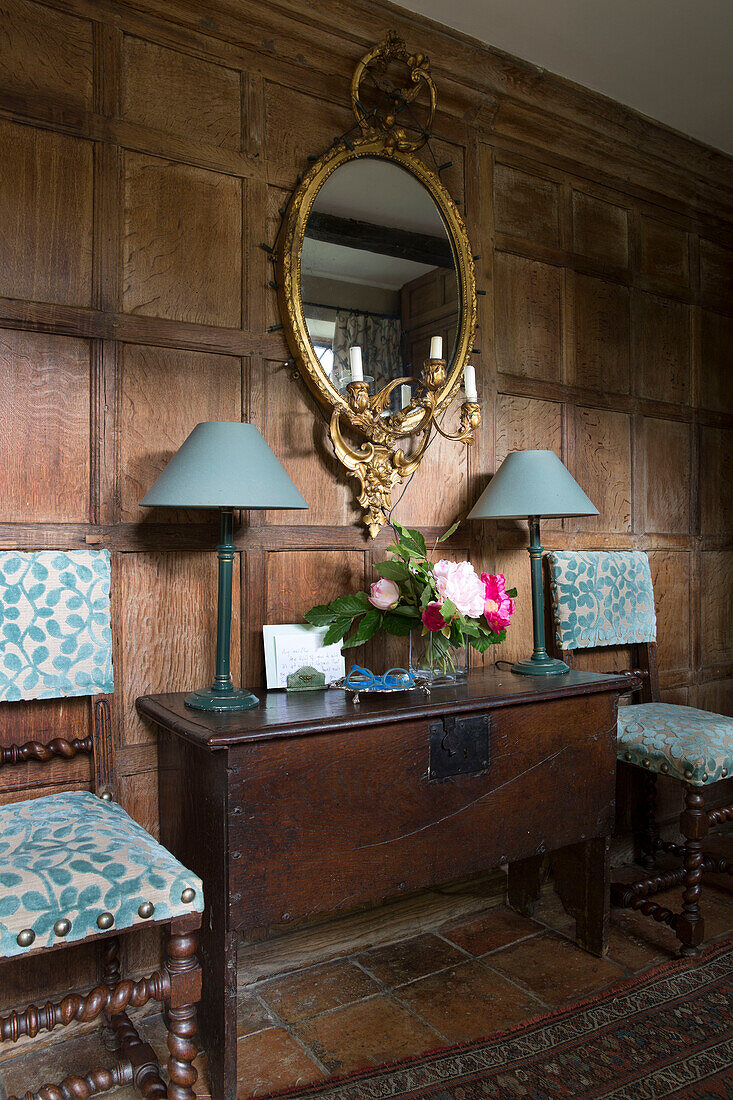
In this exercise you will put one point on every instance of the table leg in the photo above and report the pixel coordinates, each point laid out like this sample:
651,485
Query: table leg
581,874
218,1009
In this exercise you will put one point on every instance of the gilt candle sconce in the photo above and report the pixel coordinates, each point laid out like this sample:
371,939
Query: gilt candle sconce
373,252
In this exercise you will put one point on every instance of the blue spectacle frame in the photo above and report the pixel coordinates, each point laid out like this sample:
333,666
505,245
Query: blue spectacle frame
362,679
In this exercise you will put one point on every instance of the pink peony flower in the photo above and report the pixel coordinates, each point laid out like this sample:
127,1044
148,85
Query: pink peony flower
384,594
432,618
498,607
458,582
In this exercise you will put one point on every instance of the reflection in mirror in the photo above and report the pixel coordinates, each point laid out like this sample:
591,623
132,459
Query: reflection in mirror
377,271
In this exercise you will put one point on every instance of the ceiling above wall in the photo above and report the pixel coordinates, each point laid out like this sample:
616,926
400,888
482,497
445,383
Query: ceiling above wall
670,59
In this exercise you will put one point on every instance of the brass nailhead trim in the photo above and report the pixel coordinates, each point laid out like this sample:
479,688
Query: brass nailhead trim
724,773
62,927
146,910
665,768
704,777
645,763
188,894
25,937
688,773
105,921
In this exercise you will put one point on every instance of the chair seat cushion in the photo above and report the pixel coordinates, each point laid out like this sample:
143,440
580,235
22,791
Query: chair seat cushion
694,745
72,857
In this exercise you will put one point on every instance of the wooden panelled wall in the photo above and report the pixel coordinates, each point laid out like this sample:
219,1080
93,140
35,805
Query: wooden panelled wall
146,149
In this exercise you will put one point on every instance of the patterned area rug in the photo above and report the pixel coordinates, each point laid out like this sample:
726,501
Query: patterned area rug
667,1033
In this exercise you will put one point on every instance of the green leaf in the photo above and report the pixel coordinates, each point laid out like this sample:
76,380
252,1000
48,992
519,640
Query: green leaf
321,615
450,531
419,539
426,597
512,592
368,626
482,643
336,631
392,570
406,609
398,625
448,610
348,605
470,628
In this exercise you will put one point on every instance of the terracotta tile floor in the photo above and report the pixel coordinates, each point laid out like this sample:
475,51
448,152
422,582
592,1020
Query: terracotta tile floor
469,975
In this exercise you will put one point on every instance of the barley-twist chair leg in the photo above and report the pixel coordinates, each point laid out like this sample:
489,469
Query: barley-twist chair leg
690,926
185,974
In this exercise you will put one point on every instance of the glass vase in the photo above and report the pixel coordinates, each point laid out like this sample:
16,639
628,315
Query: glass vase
439,663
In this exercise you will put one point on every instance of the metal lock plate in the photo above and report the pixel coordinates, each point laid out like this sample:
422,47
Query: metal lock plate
459,746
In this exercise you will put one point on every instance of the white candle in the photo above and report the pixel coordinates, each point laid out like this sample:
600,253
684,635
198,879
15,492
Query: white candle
469,382
436,347
405,395
357,372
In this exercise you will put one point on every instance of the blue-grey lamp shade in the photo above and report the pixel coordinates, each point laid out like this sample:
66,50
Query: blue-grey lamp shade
224,464
532,483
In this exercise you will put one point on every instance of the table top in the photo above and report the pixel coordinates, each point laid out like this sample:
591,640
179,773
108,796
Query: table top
294,714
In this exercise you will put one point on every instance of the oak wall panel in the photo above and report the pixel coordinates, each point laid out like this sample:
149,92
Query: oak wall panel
181,94
164,631
600,229
672,580
183,242
528,318
716,487
661,348
663,252
602,335
197,387
526,206
300,440
716,586
603,467
296,581
44,428
716,362
666,455
46,52
716,275
46,215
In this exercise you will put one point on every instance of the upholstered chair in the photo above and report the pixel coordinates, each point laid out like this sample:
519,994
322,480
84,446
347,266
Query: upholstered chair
606,599
74,866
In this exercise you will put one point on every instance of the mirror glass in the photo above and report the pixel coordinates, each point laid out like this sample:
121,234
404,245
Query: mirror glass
378,271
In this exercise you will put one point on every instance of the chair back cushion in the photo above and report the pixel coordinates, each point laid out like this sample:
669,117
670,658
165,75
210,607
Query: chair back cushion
55,636
602,598
73,857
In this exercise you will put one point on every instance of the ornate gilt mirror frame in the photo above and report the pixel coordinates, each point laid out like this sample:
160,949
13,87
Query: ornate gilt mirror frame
380,462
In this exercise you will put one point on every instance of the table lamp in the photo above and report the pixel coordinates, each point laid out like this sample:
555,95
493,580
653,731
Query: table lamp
532,485
224,465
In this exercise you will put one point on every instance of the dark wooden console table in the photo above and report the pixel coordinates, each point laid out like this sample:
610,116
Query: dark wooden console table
310,804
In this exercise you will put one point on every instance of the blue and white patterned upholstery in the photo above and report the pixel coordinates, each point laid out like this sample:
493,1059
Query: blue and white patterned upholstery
74,856
690,744
602,598
55,637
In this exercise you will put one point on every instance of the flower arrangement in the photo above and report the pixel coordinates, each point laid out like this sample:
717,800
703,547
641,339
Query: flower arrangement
449,602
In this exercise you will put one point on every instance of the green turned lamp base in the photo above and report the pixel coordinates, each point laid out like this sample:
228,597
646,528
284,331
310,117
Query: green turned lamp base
548,667
222,700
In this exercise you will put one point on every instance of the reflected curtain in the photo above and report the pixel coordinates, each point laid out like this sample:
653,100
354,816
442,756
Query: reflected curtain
379,340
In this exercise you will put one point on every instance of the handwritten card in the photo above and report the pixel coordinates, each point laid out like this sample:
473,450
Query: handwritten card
290,647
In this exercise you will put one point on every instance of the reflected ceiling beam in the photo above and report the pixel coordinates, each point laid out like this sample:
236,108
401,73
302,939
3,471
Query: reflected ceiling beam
383,240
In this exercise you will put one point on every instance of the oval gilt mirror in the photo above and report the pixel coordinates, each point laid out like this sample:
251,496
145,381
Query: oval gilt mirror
373,255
